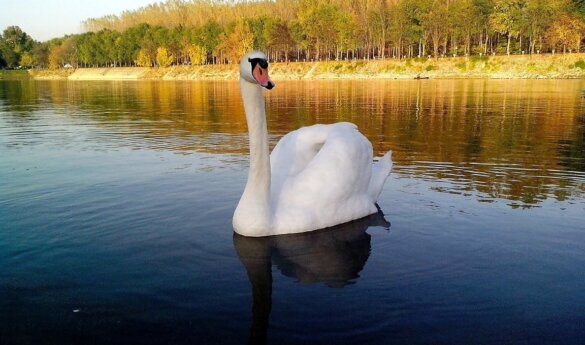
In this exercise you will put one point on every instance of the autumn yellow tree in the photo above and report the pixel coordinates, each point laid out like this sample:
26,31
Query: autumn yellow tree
163,57
143,59
322,29
237,43
55,58
197,55
566,32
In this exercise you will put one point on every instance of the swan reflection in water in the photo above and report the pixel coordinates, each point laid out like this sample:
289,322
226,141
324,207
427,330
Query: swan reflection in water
333,256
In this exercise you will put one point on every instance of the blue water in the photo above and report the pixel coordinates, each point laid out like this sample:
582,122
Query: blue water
115,222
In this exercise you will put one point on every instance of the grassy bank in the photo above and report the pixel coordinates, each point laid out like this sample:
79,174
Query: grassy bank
494,67
13,75
51,74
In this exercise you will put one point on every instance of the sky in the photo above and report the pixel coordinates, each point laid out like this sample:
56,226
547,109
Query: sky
46,19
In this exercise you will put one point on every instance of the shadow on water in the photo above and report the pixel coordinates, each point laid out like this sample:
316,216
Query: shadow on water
334,256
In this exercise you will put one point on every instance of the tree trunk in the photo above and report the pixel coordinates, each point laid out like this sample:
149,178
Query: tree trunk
521,50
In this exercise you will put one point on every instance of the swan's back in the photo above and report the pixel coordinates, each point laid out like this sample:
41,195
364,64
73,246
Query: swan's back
322,176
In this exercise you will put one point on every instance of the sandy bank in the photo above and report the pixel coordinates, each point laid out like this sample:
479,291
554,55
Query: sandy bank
117,73
491,67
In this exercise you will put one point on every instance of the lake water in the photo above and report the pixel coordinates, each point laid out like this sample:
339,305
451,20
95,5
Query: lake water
116,201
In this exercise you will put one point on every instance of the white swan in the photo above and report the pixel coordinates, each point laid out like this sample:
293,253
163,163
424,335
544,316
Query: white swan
316,177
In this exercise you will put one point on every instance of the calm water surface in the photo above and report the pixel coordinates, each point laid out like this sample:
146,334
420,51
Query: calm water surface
116,201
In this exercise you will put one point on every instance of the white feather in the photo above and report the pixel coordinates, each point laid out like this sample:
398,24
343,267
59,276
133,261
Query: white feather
316,177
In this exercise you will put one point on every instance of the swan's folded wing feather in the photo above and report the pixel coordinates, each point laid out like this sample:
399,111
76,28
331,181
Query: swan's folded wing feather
328,182
380,171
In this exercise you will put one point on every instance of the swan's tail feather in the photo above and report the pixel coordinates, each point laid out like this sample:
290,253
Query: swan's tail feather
380,172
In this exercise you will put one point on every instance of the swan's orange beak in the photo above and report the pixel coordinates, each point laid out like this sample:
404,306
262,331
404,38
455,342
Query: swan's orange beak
261,76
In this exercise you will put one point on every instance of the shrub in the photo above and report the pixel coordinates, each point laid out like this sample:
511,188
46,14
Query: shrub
461,65
477,58
580,64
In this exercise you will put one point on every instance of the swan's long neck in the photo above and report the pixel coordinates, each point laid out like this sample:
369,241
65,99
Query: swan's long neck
254,205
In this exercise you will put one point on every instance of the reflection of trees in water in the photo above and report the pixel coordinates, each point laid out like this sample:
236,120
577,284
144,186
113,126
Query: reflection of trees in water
572,151
512,139
19,96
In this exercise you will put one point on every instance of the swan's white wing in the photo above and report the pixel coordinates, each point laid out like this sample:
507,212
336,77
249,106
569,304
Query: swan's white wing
380,172
294,152
321,177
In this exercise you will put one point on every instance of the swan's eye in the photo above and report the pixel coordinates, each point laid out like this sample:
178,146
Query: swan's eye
258,61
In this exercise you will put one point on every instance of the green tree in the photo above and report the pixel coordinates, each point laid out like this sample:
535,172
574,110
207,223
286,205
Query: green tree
258,27
412,14
540,14
41,54
27,60
508,18
346,39
207,36
317,21
379,22
313,29
299,38
434,22
466,21
13,43
278,38
9,58
398,30
84,48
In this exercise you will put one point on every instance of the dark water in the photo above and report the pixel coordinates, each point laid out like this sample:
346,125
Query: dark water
116,202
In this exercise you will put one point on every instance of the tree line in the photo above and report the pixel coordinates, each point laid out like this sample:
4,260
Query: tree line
220,31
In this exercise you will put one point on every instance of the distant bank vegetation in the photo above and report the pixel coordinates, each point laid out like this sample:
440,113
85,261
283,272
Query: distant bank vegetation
545,66
197,32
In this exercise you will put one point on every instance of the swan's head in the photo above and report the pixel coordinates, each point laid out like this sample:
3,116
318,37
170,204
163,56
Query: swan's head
254,69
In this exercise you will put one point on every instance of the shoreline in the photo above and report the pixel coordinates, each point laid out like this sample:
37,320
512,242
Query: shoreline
549,66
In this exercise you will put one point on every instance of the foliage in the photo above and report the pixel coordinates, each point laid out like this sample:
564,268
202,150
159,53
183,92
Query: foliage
13,43
236,43
62,53
580,64
143,59
566,33
197,55
27,60
219,31
481,58
163,57
508,18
